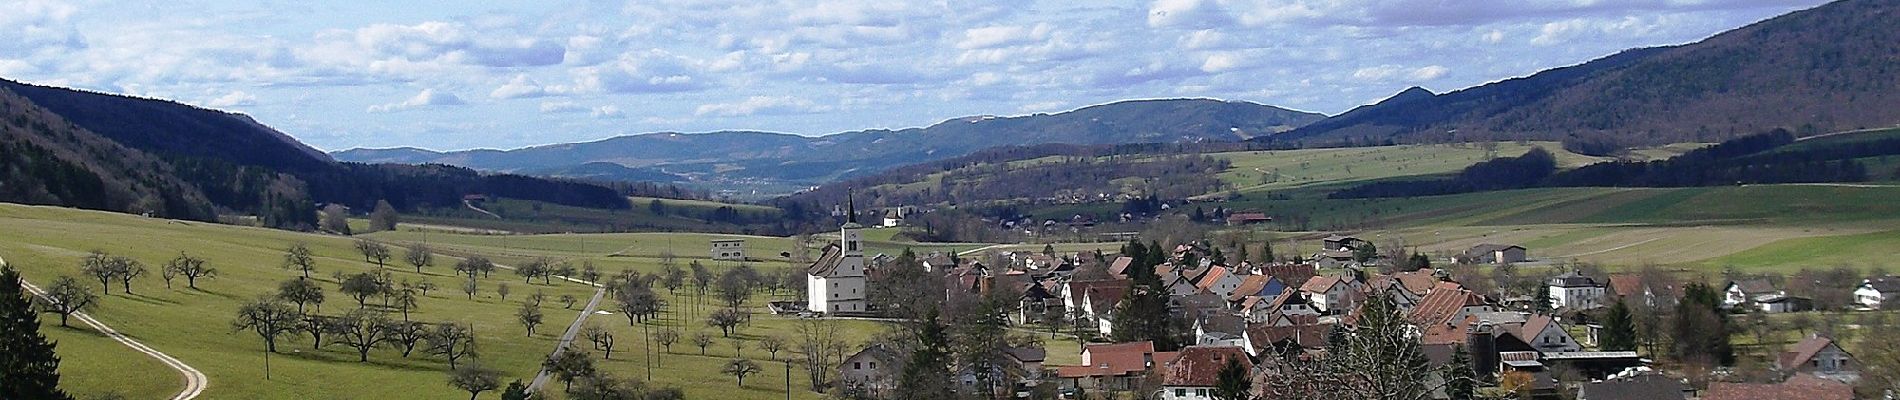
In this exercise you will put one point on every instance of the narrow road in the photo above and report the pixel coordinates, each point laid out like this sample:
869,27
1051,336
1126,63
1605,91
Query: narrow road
195,382
567,338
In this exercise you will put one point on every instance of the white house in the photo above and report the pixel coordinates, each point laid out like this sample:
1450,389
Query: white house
1575,291
1742,291
1548,336
728,249
1332,294
835,283
1219,280
874,369
1196,369
1875,292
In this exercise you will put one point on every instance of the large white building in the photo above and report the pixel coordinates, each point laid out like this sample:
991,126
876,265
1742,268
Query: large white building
1575,291
835,283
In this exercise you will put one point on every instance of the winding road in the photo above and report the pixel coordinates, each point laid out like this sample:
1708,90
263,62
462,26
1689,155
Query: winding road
195,382
567,338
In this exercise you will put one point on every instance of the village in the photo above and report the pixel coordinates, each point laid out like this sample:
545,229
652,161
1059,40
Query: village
1327,325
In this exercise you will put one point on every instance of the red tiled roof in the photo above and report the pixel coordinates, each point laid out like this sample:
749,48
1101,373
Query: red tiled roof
1117,359
1213,275
1801,352
1306,332
1319,284
1799,387
1104,298
1251,285
1201,365
827,262
1626,284
1290,274
1440,306
1119,268
1534,325
1418,282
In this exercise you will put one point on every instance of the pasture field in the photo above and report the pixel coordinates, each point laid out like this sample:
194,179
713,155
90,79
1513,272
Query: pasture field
1257,171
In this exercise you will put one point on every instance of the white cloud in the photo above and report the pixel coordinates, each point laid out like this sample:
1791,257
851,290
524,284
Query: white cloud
607,111
652,71
1043,106
1188,14
519,87
427,98
1429,73
1001,36
759,105
1222,62
233,99
556,107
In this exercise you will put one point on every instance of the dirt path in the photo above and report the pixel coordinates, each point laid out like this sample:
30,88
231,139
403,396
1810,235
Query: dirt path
541,378
195,382
1591,253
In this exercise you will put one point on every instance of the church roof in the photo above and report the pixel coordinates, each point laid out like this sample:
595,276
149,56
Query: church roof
827,263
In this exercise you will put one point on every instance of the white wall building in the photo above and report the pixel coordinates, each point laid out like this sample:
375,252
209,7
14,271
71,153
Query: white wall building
728,249
835,283
1575,291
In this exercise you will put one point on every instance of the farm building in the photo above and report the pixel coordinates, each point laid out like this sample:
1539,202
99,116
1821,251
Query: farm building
728,249
1493,254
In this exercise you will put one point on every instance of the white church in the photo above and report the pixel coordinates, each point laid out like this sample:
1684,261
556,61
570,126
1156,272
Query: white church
835,283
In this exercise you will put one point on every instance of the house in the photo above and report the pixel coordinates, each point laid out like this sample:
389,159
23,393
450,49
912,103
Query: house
1194,372
1020,369
1873,293
1799,387
1777,303
1342,243
1739,292
1098,304
1291,274
1631,286
1493,254
1073,292
1649,386
1181,281
835,282
1819,356
1219,280
1247,218
1575,291
1447,307
1119,268
1286,335
1420,282
1335,259
1220,330
728,249
1546,335
1331,294
1390,286
874,369
893,218
1120,366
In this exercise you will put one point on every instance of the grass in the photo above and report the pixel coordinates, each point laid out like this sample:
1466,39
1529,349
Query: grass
1859,250
1256,171
194,325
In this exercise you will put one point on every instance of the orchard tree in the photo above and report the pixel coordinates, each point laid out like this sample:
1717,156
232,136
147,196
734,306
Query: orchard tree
666,338
384,217
702,339
102,267
299,258
269,318
529,316
569,365
601,338
475,379
360,287
126,270
419,256
567,301
772,344
373,252
740,368
406,335
302,292
65,297
452,341
501,289
469,287
725,320
362,330
191,268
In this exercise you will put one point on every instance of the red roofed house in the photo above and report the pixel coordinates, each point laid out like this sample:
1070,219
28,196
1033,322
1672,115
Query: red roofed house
1799,387
1332,294
1120,366
1219,280
1194,372
1821,357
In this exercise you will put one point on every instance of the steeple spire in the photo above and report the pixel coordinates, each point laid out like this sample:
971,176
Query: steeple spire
851,207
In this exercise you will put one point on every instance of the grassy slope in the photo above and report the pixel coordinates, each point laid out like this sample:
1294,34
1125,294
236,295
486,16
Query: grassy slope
194,325
1297,168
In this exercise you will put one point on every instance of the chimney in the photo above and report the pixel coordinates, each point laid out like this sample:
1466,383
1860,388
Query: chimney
1148,360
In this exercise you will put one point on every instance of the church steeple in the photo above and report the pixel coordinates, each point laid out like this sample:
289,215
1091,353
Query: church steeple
851,206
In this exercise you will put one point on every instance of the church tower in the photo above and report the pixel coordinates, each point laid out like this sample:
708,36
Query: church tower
837,281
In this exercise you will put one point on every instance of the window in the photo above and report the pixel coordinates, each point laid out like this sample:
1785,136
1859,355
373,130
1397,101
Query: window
874,365
857,365
1180,393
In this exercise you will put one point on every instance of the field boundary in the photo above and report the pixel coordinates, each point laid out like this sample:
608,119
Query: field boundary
195,381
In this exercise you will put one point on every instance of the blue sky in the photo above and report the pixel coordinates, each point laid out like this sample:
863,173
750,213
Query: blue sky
458,75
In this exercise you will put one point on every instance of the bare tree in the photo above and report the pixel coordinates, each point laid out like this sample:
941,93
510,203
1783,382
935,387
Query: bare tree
191,268
538,297
469,287
127,269
666,338
818,341
452,341
299,258
772,344
740,368
475,379
373,252
65,297
407,300
568,300
406,335
360,287
702,339
419,256
269,318
601,338
725,320
530,316
501,289
300,291
362,330
100,266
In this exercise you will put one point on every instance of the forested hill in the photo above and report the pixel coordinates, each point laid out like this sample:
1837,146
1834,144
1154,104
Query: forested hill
1831,68
110,152
804,161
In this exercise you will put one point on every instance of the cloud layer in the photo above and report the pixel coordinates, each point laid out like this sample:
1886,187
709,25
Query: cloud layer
452,76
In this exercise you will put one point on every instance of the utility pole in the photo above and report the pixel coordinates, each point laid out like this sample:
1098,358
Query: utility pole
788,379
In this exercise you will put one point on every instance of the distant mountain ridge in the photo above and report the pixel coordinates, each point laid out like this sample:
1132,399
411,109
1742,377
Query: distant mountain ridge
801,160
1830,68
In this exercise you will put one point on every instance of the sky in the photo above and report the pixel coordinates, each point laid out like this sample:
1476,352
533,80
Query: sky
469,74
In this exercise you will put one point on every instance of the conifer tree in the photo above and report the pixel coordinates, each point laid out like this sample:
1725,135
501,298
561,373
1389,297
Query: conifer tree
29,368
1619,328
